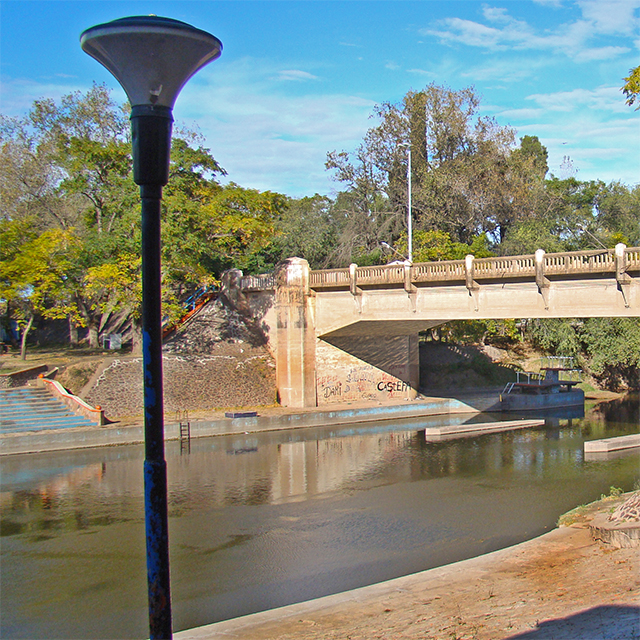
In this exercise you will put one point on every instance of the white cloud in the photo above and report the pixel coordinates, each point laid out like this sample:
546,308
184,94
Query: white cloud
574,39
296,74
457,30
549,3
612,16
600,53
495,14
422,72
506,69
606,99
267,137
518,114
18,95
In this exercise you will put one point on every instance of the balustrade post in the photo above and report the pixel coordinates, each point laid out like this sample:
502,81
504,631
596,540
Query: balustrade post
353,280
471,284
408,277
622,278
621,262
541,280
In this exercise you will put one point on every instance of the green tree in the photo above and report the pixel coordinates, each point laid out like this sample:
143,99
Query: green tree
29,179
618,214
305,228
34,274
71,163
631,87
87,140
432,246
613,349
531,147
186,230
243,224
563,218
466,176
67,166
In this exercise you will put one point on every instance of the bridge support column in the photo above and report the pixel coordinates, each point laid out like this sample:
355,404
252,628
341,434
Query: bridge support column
295,335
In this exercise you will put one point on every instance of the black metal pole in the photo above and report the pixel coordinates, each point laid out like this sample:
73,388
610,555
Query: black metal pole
151,133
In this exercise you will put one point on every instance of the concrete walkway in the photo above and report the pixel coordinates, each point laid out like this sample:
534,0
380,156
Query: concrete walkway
560,586
268,419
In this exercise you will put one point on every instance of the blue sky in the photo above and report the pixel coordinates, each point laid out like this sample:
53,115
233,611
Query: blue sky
297,79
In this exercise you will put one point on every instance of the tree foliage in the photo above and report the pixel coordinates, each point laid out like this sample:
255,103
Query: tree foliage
631,87
468,175
66,175
34,270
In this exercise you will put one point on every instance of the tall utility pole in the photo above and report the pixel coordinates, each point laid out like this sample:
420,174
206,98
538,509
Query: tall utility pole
407,146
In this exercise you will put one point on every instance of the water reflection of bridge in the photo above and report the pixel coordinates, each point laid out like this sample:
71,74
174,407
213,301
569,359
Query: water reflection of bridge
271,470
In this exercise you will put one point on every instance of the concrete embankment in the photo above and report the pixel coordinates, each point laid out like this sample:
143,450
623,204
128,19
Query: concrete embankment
269,419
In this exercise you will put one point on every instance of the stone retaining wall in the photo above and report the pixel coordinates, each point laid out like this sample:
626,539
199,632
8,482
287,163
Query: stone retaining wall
213,362
20,378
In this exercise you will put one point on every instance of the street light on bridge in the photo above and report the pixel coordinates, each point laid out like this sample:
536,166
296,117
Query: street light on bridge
152,58
386,245
407,146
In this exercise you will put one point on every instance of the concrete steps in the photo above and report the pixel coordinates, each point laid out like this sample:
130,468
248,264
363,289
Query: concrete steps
29,409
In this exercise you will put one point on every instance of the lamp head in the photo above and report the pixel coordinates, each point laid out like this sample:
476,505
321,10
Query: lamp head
151,57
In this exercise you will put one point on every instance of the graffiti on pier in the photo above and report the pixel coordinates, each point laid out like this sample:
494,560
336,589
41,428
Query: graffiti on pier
360,382
390,386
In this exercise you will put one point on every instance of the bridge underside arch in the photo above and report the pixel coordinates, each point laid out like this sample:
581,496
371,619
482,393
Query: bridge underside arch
367,344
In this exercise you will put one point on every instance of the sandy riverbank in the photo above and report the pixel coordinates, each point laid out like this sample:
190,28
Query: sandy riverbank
560,586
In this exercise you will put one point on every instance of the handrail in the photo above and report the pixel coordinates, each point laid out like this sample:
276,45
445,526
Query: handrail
75,403
596,261
192,305
521,266
263,282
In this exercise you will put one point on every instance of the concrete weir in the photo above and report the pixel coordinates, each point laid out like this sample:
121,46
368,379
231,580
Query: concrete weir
607,445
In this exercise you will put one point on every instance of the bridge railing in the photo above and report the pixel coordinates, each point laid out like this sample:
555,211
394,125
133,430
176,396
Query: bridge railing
380,274
328,278
575,262
263,282
596,261
438,271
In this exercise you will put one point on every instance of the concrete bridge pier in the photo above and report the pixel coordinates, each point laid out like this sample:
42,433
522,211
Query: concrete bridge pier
295,335
314,370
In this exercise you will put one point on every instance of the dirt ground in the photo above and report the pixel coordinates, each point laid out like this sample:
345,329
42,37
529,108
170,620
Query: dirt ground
561,586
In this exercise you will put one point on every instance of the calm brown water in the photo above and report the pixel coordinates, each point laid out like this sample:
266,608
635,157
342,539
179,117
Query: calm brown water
259,521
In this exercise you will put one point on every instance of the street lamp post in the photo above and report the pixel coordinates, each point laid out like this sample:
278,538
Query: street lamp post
152,58
407,146
386,245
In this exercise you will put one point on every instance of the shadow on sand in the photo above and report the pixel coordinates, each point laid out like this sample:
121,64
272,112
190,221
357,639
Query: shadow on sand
599,623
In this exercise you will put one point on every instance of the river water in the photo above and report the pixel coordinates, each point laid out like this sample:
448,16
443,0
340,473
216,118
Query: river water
259,521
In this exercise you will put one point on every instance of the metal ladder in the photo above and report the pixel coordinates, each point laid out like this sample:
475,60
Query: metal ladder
182,418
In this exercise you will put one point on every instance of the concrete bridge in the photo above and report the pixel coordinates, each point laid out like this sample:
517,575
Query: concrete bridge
345,335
